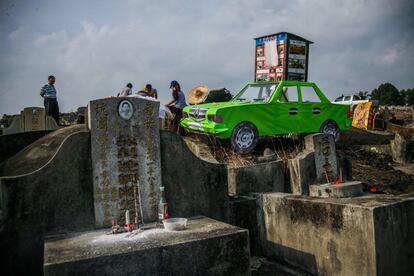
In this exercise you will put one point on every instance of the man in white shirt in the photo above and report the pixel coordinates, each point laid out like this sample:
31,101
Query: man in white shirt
126,91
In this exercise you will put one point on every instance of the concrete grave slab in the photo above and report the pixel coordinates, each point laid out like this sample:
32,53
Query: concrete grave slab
261,177
206,247
347,189
16,126
302,172
367,235
192,186
355,136
402,149
200,150
13,143
31,119
45,188
126,162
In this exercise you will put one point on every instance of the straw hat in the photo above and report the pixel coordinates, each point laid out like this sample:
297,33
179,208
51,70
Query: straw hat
144,89
198,94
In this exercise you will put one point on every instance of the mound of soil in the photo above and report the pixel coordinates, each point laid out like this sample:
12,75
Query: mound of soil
376,170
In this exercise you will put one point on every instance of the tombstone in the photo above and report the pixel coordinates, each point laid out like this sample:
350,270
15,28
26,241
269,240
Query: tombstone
51,123
126,162
326,164
16,126
34,118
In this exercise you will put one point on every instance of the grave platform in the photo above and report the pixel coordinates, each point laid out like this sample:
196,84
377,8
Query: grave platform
365,235
206,247
346,189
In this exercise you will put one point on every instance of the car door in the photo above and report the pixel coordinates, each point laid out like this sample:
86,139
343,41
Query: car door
347,100
312,108
287,110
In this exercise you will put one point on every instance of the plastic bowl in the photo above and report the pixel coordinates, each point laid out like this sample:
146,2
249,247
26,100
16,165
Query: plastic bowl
175,224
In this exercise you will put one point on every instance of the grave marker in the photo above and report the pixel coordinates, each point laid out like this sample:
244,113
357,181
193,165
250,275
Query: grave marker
326,164
34,118
125,158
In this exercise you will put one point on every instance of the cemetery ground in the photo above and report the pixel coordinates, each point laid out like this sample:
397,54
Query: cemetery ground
378,171
373,165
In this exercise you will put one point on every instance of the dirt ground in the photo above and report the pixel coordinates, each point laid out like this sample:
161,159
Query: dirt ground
369,164
376,170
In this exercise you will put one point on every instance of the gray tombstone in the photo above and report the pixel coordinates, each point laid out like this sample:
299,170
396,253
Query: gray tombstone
326,164
16,126
34,118
125,158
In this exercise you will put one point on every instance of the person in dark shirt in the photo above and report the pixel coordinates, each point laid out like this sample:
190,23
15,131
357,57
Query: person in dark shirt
152,91
176,105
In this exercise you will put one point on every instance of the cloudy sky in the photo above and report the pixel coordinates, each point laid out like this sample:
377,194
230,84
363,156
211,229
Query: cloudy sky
95,47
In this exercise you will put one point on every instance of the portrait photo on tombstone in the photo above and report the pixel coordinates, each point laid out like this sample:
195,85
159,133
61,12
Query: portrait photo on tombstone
125,109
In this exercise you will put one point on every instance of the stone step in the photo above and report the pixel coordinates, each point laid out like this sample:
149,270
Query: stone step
206,247
346,189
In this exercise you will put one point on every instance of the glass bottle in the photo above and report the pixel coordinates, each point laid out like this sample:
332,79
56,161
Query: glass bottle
162,207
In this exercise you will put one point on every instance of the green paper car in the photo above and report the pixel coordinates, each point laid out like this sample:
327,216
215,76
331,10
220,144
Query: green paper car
263,109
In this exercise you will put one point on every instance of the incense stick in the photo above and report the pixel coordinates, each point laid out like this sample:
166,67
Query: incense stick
140,204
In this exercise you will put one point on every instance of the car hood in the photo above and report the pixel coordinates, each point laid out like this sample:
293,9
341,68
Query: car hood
225,104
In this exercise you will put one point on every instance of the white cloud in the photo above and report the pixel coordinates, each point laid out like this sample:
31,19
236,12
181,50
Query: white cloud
357,43
16,34
390,57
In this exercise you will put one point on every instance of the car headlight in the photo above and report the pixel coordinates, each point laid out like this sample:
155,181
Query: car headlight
215,118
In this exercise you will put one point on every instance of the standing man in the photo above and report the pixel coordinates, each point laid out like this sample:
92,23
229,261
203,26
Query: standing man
48,92
176,105
126,91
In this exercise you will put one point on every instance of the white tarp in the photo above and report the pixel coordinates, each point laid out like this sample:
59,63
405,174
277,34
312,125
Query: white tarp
270,49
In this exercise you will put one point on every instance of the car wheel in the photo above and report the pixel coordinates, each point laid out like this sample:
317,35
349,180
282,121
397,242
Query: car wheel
244,137
330,127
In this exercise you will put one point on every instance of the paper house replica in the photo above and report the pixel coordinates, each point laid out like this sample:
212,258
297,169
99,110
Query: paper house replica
281,56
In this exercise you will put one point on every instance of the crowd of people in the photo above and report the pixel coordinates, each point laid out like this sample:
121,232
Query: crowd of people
175,105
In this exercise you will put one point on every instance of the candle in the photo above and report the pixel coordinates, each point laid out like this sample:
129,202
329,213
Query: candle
127,219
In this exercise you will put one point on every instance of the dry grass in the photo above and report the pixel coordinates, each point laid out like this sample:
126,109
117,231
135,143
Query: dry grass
224,154
283,147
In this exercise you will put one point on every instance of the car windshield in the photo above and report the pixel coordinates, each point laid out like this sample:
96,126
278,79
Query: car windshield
256,93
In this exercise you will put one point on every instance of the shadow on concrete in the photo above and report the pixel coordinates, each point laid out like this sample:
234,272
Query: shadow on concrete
37,154
55,196
261,266
303,262
13,143
193,186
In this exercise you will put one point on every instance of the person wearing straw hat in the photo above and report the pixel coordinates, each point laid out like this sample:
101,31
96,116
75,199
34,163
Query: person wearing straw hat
144,92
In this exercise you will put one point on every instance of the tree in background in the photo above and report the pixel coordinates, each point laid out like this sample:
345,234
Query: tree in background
363,95
387,94
408,96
